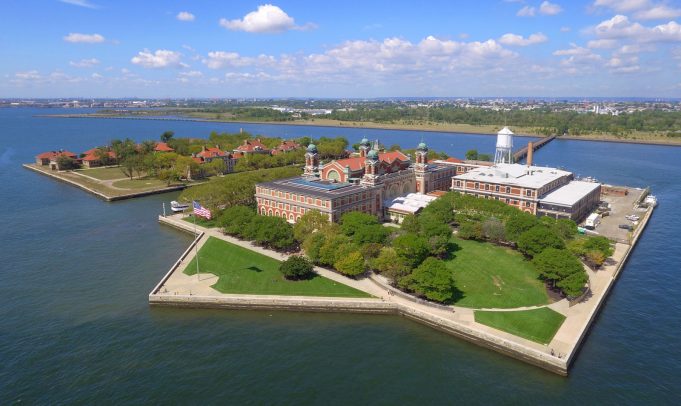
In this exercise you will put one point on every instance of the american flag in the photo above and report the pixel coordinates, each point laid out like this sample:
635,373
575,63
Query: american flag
200,210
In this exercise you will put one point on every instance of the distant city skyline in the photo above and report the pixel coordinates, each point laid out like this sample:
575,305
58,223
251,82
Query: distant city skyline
503,48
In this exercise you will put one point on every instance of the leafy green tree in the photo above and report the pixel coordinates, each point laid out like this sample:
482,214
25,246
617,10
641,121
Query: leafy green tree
297,268
351,264
216,167
537,239
167,136
472,154
390,265
353,220
234,220
334,247
437,233
65,163
411,248
363,228
559,266
573,285
370,250
410,224
269,231
312,246
600,244
518,224
310,222
471,230
566,228
431,279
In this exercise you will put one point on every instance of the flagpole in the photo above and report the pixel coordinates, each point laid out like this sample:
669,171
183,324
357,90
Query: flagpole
196,247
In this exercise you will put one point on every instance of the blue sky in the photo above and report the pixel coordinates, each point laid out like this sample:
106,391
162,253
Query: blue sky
144,48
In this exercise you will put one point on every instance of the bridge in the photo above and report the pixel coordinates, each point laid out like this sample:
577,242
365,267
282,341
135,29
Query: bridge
522,152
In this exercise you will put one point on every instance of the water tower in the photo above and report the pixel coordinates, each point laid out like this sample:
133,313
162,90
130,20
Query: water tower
504,153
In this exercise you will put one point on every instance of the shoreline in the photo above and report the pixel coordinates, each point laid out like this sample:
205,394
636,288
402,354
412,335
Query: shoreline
102,195
373,126
455,322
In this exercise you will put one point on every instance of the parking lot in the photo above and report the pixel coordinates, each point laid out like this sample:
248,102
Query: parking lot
620,206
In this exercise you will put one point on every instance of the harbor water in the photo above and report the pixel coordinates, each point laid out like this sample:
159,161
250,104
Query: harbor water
75,325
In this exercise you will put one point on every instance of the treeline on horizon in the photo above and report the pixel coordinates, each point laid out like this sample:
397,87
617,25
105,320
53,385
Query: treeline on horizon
543,120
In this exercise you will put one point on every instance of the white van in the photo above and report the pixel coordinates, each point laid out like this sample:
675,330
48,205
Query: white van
592,221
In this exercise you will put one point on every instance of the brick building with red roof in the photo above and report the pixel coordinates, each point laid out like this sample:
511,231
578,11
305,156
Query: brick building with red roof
252,147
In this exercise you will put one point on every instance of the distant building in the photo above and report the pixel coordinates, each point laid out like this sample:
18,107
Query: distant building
50,158
252,147
163,147
286,146
93,158
209,154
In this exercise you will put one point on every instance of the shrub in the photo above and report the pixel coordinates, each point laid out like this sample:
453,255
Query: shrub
297,268
235,219
431,279
351,264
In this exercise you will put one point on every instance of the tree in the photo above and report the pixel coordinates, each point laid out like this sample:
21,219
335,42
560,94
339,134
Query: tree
363,228
335,245
216,167
167,136
370,250
566,228
431,279
535,240
309,223
351,264
353,220
518,224
410,224
390,265
411,248
312,246
437,233
472,154
102,154
471,230
600,244
297,268
66,163
234,220
269,231
493,230
559,266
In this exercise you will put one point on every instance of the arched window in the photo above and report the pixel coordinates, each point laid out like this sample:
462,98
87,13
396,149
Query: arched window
263,211
270,212
291,217
333,175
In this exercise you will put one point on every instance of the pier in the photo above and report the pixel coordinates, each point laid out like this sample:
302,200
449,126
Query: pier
522,152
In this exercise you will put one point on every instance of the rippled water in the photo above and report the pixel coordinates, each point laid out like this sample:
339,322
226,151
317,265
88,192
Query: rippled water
75,326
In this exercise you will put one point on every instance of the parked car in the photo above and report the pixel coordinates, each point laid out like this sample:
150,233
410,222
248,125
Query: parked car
626,227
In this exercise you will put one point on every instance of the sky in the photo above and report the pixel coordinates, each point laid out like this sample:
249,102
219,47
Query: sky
344,49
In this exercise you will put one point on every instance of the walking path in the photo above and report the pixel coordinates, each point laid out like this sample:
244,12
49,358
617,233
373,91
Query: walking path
459,321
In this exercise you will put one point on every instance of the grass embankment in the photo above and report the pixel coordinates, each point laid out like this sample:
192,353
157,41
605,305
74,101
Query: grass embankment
538,325
110,173
244,271
494,277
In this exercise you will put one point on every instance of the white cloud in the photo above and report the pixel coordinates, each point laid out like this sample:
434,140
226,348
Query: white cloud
221,59
266,19
602,44
622,6
28,75
660,12
185,16
96,76
565,29
573,50
84,38
192,74
162,58
85,63
527,11
518,40
621,27
549,9
80,3
617,64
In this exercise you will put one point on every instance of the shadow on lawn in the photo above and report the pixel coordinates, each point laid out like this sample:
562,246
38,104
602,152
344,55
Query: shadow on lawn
254,268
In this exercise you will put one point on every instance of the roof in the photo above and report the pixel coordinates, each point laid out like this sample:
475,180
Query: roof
211,153
315,188
515,175
505,131
454,160
411,203
252,145
355,164
54,154
570,194
392,156
163,147
91,155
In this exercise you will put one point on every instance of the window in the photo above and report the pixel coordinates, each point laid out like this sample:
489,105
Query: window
486,187
497,188
477,185
458,183
508,189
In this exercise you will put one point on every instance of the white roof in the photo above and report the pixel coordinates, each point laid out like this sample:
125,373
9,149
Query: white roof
410,203
505,131
570,194
515,175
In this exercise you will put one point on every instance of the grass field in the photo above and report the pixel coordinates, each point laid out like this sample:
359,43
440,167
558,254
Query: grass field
494,277
145,183
243,271
103,173
538,325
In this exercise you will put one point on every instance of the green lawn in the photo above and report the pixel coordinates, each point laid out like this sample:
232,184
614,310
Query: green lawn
539,325
490,276
200,221
243,271
104,173
144,183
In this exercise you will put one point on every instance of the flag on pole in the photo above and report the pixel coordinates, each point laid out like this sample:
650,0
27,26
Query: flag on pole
200,210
